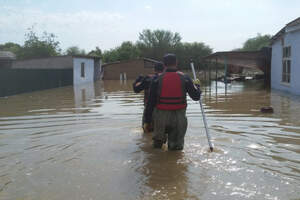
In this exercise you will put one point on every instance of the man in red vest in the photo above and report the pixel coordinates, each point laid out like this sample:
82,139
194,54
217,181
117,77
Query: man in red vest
143,83
167,102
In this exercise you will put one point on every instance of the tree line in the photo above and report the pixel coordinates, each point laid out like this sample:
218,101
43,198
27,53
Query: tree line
151,44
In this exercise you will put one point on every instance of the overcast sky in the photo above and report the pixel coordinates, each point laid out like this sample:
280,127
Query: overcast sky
221,24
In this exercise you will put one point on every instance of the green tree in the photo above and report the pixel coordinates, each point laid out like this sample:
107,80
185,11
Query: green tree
97,52
256,43
74,50
37,47
154,44
110,56
191,51
12,47
126,51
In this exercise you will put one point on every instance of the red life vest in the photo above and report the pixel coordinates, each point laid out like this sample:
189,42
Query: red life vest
171,92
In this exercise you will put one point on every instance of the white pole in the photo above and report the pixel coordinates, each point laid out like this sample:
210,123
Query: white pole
203,114
193,69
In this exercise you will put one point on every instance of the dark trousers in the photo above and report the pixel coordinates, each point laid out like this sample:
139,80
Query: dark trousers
169,126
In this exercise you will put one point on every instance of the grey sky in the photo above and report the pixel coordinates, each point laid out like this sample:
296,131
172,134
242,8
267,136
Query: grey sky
221,24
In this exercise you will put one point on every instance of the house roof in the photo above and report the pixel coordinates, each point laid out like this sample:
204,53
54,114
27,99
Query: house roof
294,22
282,31
7,55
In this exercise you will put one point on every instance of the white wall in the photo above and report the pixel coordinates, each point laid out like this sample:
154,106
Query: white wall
290,39
276,65
89,70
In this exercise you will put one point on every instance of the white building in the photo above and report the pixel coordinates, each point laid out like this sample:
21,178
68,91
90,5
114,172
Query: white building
285,63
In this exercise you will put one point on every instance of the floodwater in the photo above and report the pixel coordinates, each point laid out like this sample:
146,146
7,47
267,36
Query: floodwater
86,143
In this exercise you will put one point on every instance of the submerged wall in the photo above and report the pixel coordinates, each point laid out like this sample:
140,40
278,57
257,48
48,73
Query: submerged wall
15,81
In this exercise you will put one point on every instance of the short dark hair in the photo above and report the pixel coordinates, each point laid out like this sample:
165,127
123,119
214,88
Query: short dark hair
158,67
170,59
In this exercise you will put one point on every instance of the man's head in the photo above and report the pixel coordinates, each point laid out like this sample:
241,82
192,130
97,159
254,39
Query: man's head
158,67
170,60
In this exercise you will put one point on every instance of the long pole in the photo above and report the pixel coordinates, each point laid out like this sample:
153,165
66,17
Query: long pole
225,75
203,114
216,77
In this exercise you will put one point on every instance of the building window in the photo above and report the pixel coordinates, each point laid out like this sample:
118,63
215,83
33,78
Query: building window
82,70
286,64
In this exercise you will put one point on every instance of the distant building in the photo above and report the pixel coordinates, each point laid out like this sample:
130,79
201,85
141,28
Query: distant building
44,73
285,63
128,69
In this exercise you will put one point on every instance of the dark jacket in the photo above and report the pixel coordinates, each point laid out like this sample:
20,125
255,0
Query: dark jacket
145,82
193,91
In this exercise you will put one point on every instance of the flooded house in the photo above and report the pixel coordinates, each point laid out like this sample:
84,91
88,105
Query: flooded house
285,59
45,73
129,69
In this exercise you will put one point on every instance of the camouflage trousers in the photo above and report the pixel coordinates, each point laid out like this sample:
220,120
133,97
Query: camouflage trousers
169,126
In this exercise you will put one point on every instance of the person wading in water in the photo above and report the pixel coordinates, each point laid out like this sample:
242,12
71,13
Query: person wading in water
167,102
143,83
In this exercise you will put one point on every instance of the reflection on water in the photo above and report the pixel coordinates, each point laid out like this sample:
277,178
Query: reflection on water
85,142
83,94
165,173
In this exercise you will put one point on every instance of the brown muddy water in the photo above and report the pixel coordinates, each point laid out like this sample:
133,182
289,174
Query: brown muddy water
86,143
